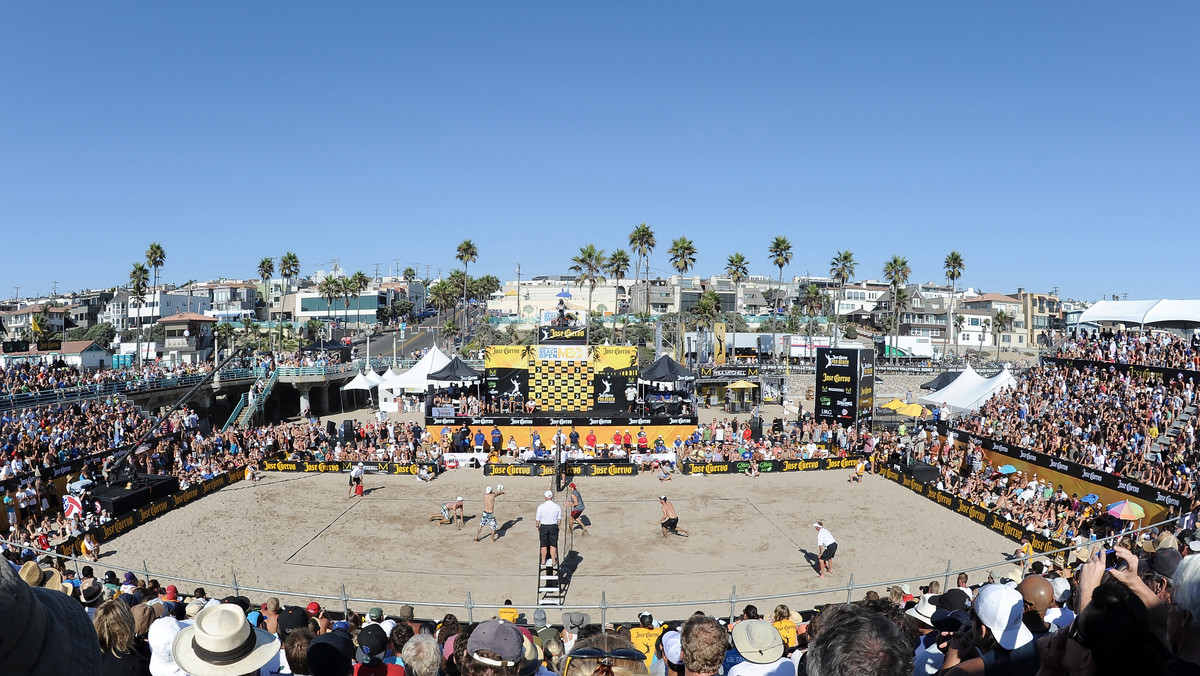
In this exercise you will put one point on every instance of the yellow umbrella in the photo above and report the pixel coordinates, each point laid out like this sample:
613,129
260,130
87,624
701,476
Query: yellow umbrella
893,405
741,385
913,410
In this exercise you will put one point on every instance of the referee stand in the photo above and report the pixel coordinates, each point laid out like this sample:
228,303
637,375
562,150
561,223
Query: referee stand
553,582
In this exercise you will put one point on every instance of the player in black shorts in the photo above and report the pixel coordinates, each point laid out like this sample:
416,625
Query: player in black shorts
670,520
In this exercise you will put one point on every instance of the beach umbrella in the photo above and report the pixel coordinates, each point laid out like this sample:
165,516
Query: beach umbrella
1007,469
1126,511
912,410
741,385
893,405
1090,498
564,294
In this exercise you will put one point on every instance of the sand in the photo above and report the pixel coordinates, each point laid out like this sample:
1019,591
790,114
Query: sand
300,533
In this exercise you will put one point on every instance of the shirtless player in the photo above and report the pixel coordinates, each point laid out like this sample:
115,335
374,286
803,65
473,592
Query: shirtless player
489,511
451,512
670,520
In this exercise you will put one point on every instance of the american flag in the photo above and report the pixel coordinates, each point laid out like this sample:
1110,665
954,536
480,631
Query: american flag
72,507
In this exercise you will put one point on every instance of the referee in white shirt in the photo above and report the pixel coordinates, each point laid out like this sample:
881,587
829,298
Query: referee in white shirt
548,515
826,548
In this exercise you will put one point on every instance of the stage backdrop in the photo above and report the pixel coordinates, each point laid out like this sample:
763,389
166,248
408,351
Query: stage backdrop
563,378
845,385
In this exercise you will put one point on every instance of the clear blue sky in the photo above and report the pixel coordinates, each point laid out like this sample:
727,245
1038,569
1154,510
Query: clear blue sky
1052,144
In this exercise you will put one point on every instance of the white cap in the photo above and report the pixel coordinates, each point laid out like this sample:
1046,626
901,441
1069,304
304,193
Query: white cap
1062,589
458,499
1000,609
672,647
549,494
488,489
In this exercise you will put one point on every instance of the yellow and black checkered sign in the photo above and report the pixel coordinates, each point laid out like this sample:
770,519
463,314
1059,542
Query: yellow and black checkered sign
561,385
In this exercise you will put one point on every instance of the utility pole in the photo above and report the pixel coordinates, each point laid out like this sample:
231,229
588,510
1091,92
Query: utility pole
377,273
395,267
16,293
54,291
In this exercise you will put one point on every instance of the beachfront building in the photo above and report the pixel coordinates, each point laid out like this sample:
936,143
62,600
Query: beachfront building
1015,337
1044,315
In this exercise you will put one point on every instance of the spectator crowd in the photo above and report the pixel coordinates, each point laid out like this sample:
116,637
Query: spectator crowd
1135,611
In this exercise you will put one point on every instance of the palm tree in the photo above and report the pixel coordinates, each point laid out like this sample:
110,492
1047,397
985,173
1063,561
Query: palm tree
156,257
780,252
738,269
812,300
330,289
683,259
1001,322
984,327
588,265
289,267
618,267
896,271
642,242
959,322
222,333
266,269
954,266
356,284
442,296
466,254
841,268
139,278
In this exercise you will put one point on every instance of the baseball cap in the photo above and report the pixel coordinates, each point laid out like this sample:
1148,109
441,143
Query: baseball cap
458,499
314,608
1062,589
290,619
539,618
1000,608
375,614
672,648
499,637
372,644
406,613
549,494
488,489
572,484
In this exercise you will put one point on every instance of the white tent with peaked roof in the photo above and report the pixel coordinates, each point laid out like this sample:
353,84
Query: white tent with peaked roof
417,377
969,390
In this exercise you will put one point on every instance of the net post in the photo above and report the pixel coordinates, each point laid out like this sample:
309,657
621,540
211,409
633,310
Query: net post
850,589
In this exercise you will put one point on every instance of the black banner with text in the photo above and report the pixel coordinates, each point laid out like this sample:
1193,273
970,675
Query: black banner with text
547,469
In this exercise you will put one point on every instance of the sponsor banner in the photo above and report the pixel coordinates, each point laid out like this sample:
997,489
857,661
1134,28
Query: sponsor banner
49,345
618,359
767,466
1136,369
560,353
609,392
729,372
130,520
1075,478
560,334
506,356
507,382
839,383
719,356
1010,529
15,346
343,467
572,469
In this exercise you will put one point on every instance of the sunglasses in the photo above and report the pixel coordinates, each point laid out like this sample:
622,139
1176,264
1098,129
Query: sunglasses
598,654
1074,634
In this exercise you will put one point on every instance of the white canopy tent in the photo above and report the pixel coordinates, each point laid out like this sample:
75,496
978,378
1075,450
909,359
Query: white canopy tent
374,377
1177,313
360,382
969,391
417,377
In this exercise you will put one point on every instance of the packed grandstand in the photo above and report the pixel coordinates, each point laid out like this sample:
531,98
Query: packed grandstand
1094,407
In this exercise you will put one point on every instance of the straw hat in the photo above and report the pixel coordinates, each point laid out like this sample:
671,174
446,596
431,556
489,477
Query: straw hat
222,643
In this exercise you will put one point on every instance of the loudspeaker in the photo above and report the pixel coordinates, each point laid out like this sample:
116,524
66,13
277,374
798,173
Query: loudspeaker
756,429
331,428
777,425
347,431
921,472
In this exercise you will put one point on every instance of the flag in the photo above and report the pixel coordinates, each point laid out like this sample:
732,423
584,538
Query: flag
72,507
33,325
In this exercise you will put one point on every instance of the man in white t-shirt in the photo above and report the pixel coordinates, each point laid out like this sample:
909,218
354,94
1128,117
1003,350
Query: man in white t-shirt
356,477
547,518
826,549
